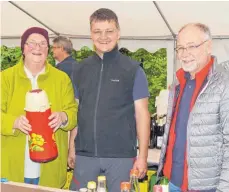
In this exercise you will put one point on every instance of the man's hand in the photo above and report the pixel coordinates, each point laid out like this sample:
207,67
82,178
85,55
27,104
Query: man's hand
141,165
22,123
71,157
57,119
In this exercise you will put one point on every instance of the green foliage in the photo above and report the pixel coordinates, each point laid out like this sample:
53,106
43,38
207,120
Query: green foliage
154,64
50,58
83,53
9,56
155,67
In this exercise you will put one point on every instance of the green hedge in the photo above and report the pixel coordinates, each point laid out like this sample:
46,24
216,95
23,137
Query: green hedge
154,64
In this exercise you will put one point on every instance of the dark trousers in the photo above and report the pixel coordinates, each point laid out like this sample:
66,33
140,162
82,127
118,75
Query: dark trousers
87,169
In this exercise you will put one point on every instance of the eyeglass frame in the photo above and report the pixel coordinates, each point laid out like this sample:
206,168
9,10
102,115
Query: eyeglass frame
34,44
100,32
56,47
186,48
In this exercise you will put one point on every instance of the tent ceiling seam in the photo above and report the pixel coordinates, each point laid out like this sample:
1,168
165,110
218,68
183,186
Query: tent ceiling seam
27,13
122,37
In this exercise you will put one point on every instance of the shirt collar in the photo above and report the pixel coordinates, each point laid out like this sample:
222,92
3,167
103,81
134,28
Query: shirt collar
30,75
109,56
187,76
200,76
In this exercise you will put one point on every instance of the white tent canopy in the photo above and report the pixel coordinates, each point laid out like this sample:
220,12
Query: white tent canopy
149,25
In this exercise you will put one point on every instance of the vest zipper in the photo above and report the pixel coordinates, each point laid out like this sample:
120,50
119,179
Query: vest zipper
96,107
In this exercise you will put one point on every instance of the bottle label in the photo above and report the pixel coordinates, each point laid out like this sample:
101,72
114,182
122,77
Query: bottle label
159,141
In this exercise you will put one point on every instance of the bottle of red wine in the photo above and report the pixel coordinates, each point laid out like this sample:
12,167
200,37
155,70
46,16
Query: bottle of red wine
160,132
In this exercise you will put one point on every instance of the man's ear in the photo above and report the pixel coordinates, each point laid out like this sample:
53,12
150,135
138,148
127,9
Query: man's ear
62,48
209,46
119,34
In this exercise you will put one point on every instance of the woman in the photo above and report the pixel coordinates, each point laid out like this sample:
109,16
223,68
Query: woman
33,72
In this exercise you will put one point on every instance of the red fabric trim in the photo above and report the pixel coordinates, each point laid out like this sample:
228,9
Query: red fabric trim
200,77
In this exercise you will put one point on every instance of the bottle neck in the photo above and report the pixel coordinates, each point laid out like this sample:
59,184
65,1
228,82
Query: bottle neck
101,185
134,183
133,178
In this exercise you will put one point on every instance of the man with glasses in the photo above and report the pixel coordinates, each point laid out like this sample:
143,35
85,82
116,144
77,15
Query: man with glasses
113,110
62,50
195,152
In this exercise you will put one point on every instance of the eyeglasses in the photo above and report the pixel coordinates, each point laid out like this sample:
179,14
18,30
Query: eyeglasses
189,49
33,44
109,32
55,47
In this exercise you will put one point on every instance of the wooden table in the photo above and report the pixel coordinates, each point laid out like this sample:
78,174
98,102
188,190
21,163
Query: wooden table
22,187
153,158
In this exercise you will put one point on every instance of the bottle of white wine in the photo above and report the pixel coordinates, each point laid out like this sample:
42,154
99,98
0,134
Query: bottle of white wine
160,131
102,187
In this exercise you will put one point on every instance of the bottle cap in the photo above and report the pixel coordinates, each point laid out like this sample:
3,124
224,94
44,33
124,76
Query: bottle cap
3,180
157,188
83,190
125,185
134,172
101,178
91,185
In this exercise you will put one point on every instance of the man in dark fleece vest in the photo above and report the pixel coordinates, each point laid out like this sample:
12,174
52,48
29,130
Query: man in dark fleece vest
113,110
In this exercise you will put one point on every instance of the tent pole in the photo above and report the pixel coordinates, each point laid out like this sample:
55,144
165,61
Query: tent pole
174,40
174,59
165,20
34,18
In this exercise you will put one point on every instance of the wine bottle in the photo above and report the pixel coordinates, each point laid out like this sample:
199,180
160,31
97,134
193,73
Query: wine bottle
160,132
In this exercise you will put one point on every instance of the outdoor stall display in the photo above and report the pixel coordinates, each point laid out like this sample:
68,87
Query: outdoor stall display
158,120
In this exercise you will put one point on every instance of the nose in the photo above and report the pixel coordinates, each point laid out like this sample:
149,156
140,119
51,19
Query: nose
38,46
185,53
103,35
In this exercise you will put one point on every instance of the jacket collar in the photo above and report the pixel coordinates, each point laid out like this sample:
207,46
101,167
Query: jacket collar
23,74
68,58
109,57
207,71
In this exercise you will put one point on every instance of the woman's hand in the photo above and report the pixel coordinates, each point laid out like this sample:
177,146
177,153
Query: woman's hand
57,119
22,123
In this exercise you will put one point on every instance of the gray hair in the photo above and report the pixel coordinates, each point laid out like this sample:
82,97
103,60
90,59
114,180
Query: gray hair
65,42
202,27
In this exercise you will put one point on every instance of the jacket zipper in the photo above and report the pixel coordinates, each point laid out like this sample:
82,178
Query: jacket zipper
188,130
96,107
